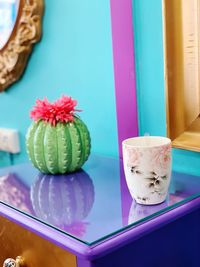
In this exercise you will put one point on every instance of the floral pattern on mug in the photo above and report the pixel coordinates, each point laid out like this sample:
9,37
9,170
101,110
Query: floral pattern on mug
133,156
156,183
161,158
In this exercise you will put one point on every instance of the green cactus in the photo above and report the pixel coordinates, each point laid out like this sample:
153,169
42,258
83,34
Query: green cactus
57,149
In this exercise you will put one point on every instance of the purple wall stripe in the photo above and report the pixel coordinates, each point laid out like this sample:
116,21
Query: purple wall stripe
125,85
124,69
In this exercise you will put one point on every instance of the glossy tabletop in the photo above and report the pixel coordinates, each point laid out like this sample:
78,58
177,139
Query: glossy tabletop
90,205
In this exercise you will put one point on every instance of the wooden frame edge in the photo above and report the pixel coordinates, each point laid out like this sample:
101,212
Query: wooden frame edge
27,31
184,130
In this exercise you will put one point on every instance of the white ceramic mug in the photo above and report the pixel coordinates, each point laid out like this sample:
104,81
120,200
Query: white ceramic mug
147,166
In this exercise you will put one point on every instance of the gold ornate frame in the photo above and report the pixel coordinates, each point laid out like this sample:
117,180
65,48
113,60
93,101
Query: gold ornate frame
182,69
27,31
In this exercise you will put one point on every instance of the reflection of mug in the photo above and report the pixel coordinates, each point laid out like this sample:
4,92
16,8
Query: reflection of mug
64,200
147,165
140,212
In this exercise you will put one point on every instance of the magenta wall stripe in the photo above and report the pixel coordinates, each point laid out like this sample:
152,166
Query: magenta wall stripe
124,69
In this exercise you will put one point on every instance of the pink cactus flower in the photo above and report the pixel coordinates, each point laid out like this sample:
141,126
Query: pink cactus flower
61,110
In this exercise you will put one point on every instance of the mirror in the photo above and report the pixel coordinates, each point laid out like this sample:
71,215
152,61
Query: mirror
8,16
20,28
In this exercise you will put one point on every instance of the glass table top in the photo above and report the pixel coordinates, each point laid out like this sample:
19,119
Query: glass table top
90,205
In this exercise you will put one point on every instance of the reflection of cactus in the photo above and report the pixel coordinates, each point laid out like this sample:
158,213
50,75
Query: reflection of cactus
58,149
63,200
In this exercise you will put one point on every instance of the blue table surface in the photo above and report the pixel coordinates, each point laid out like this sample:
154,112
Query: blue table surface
89,205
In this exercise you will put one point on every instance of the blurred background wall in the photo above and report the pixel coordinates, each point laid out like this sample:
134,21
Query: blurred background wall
74,58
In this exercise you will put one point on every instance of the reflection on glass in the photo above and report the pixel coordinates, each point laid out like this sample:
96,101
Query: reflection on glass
140,212
64,200
89,205
15,192
8,15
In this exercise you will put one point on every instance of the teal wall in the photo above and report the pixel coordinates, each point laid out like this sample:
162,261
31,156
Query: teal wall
147,19
73,58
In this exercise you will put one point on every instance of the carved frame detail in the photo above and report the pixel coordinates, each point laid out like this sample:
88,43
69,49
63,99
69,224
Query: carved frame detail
27,31
182,72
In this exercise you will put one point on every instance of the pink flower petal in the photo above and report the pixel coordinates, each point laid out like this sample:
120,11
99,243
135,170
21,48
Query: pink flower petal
62,110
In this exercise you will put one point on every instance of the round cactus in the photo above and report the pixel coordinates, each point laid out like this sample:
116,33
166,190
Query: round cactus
58,143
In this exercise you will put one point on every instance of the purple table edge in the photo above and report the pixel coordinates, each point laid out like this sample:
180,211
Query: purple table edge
107,246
